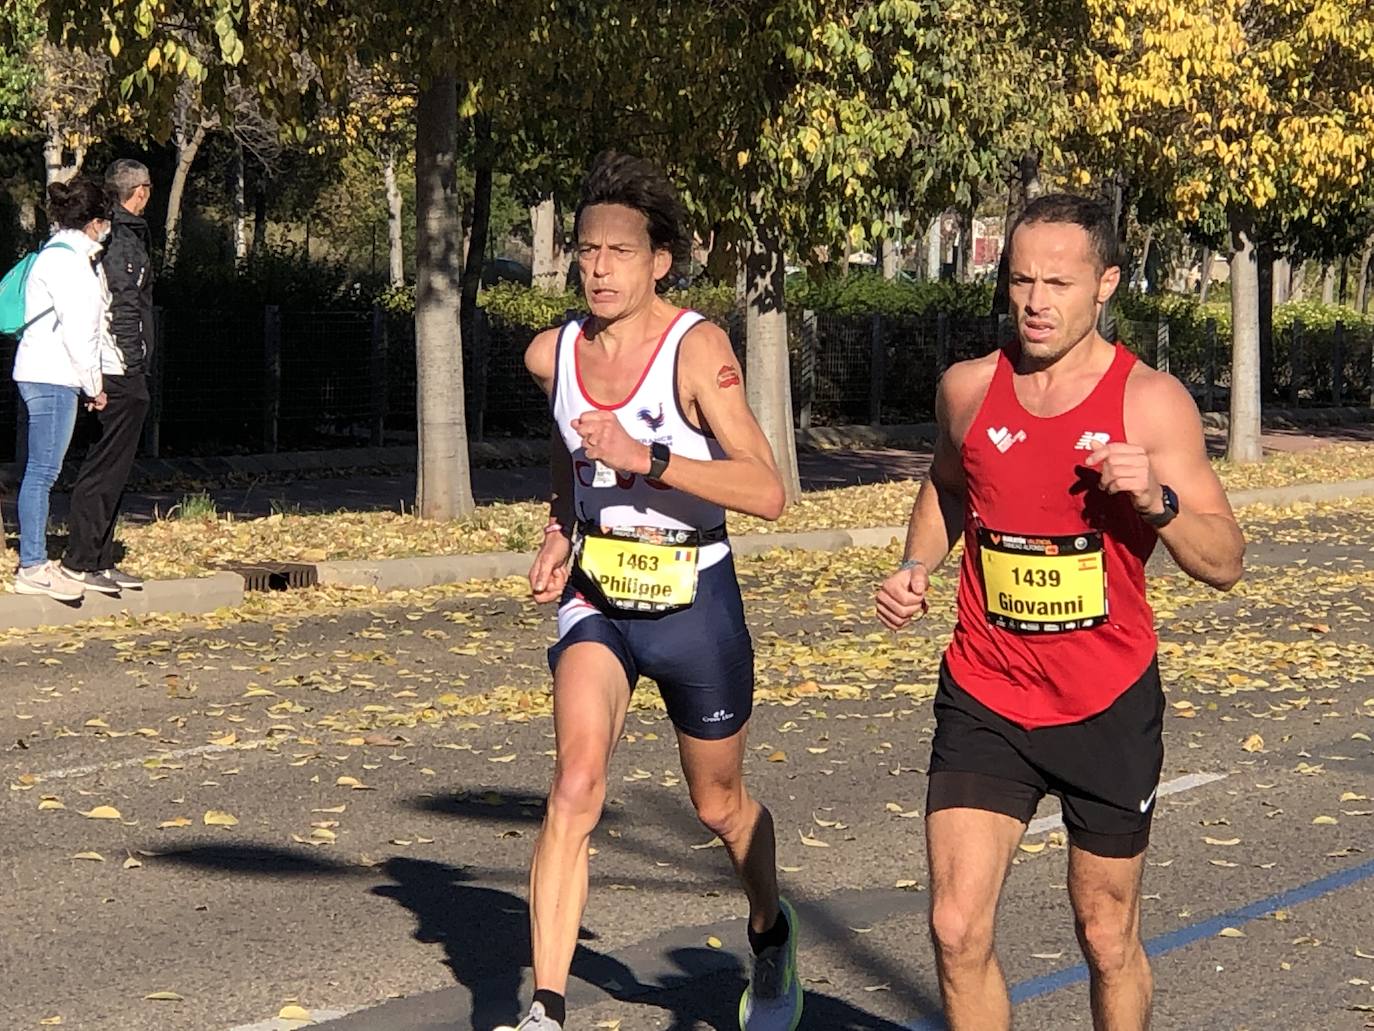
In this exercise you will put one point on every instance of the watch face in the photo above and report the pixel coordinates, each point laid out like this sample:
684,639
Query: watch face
1170,499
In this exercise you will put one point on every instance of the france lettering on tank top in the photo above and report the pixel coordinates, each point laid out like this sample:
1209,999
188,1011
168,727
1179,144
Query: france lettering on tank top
651,413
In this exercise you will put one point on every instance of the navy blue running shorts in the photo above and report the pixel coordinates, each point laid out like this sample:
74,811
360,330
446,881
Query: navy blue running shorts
701,657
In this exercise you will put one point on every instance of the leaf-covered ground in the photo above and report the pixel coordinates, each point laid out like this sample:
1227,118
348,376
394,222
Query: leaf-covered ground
175,548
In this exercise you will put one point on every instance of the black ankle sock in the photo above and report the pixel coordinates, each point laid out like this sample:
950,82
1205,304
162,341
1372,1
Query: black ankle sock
555,1006
774,936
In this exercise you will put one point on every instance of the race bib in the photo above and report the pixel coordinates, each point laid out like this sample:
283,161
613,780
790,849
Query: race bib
1043,585
636,575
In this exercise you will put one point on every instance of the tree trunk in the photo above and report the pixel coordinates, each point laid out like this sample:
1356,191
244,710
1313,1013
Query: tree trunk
259,217
186,156
483,167
1329,283
55,165
1264,257
1243,444
395,214
547,249
1141,275
890,247
1283,281
768,373
240,204
444,489
1362,285
1204,282
935,251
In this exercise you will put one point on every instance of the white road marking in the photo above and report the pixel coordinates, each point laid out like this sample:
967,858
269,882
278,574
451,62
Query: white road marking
1172,787
179,753
277,1024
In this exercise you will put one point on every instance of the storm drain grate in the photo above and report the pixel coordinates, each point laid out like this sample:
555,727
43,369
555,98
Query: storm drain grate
276,576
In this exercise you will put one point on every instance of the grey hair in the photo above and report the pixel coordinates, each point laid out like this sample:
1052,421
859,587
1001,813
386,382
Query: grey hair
124,176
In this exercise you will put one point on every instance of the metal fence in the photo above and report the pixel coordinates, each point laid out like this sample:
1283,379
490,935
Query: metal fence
239,381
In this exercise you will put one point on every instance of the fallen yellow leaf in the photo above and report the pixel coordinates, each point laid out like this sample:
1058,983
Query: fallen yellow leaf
293,1012
219,818
103,812
713,941
164,997
94,857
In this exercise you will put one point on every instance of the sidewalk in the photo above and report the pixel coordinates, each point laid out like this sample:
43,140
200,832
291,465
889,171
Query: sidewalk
820,470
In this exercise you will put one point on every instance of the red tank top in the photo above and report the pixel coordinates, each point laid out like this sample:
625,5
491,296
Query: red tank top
1053,624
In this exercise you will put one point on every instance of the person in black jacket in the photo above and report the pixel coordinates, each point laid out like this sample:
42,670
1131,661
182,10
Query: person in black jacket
125,357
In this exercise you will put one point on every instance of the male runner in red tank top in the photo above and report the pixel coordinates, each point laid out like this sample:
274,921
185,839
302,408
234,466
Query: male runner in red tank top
1060,460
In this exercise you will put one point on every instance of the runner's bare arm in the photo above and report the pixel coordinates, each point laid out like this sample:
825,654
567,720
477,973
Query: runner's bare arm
549,572
1162,419
541,359
710,380
937,517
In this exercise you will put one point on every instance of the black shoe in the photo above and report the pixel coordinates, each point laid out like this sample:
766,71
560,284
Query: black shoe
98,582
125,581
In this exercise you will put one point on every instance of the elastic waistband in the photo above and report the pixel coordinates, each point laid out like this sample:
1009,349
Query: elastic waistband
655,534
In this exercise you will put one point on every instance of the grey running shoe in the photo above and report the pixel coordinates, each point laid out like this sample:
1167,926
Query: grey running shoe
126,581
98,582
535,1020
47,579
773,1000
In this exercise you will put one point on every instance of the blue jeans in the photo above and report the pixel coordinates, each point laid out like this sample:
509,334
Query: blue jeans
52,417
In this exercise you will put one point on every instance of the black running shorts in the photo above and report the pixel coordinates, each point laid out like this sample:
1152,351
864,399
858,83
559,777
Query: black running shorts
1104,770
701,657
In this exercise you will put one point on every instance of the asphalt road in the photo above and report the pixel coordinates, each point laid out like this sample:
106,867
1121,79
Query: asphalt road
396,896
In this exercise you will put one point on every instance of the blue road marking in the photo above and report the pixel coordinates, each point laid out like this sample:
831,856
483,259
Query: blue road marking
1048,984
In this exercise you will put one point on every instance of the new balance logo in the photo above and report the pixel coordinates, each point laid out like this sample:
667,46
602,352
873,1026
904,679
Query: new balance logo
1003,438
719,716
1091,441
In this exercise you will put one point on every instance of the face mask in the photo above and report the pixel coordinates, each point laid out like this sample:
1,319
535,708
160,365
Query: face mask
105,236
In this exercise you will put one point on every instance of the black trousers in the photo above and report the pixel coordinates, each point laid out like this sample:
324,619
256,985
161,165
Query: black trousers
105,473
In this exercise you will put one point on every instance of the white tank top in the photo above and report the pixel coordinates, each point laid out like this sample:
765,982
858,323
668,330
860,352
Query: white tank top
650,414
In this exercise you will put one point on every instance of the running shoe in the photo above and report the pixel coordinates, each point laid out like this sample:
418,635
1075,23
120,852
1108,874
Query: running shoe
535,1020
773,999
126,581
92,581
46,578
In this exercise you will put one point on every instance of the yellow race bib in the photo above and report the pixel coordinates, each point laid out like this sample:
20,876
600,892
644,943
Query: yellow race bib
635,575
1040,584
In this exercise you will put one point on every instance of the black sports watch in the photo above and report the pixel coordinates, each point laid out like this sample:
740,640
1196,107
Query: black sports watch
1161,519
658,460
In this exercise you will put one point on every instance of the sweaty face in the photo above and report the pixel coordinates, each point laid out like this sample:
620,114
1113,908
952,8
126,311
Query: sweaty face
617,260
1056,287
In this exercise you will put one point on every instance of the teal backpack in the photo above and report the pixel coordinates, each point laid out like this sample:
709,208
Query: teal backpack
12,320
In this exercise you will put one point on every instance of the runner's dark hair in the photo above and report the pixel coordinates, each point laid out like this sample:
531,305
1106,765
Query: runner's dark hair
1091,214
617,178
71,205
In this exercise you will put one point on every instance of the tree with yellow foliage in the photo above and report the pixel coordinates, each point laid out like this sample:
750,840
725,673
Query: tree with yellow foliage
1246,115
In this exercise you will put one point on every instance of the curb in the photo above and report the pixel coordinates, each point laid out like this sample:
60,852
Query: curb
191,596
206,594
409,573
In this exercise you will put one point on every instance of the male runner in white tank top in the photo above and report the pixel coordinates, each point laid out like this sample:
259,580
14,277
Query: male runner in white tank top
653,441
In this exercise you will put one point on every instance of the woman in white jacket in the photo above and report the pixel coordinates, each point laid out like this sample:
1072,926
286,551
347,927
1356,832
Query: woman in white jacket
67,307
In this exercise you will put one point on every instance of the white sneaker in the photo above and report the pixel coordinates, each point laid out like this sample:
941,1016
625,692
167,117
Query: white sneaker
535,1020
47,579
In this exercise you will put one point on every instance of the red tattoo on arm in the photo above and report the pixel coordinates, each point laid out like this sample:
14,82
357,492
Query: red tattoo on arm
728,376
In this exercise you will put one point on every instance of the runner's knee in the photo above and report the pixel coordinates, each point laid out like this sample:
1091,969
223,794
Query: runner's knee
1108,941
721,808
577,795
960,934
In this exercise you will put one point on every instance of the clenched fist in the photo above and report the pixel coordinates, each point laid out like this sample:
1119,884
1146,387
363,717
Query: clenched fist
902,597
605,441
1125,469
